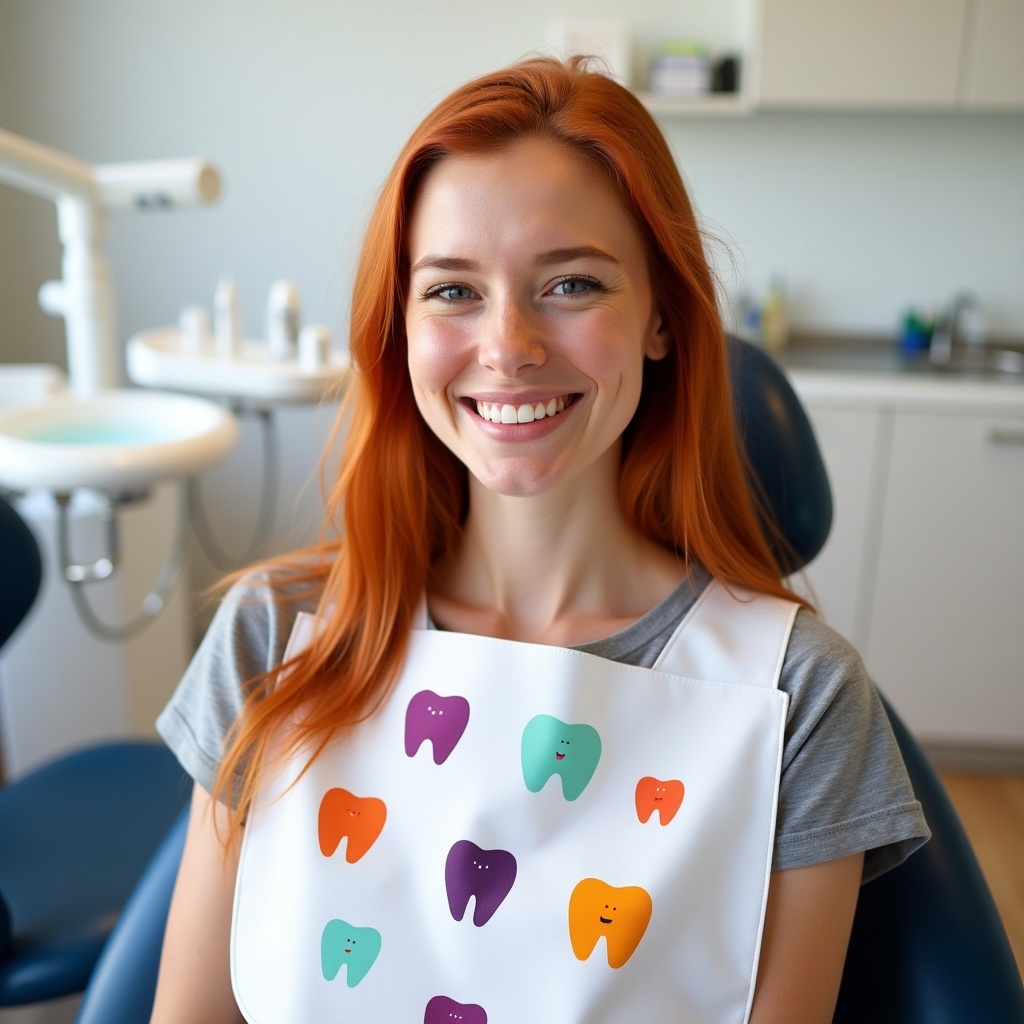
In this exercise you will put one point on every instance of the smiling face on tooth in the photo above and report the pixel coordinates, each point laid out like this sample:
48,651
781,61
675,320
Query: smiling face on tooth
529,314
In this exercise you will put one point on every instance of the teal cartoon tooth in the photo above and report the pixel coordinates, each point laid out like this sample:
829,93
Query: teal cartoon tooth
355,949
552,747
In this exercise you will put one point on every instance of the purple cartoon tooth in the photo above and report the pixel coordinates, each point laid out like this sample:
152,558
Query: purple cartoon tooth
442,1010
442,720
486,874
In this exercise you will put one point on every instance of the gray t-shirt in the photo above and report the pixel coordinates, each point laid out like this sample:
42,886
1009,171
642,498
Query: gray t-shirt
844,787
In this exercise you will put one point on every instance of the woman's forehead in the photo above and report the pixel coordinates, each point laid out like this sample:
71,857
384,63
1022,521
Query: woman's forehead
533,191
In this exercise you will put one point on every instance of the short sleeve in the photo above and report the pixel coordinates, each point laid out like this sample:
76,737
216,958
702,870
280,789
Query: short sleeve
844,786
246,638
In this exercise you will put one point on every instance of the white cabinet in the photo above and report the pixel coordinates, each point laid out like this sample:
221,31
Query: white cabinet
946,632
891,54
924,568
852,442
861,53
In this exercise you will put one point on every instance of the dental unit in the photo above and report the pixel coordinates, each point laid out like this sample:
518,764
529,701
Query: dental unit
107,470
120,442
100,436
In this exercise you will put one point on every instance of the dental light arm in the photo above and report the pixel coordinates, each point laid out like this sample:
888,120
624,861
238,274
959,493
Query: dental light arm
83,194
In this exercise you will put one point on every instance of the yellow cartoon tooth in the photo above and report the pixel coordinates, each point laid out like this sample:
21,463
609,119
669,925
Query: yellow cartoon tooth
621,915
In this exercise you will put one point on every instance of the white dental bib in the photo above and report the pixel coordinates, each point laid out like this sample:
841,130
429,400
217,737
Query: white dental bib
527,833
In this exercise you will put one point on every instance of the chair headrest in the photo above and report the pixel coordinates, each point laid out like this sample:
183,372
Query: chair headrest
783,453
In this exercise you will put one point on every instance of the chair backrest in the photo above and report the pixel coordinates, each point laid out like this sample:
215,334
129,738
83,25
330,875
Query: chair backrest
21,575
928,946
21,570
123,984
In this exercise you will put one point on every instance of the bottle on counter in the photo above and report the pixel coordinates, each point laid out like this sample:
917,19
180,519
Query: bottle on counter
774,317
227,319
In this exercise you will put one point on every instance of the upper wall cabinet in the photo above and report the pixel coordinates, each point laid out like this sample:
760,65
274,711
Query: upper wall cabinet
891,54
994,55
861,53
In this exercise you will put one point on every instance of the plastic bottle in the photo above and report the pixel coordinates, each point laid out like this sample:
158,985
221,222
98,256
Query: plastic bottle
284,318
227,319
774,318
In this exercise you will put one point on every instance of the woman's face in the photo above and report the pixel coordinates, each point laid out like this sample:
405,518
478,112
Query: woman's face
529,315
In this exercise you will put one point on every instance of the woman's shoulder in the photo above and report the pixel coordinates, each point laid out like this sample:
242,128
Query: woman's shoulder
821,665
833,701
255,616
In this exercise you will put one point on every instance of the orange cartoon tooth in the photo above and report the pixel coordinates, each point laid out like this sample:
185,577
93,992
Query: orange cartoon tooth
343,814
620,915
655,795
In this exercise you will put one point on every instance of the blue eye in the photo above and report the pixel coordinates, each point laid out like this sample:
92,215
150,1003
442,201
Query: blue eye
450,292
576,286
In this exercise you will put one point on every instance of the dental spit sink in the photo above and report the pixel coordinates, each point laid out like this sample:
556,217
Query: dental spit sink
119,441
158,359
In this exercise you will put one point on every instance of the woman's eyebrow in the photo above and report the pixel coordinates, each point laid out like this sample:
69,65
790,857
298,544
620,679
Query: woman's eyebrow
575,252
452,263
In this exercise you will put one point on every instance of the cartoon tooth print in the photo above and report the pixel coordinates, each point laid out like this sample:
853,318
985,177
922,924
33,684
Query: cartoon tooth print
486,874
345,815
621,915
442,720
552,747
442,1010
344,945
665,797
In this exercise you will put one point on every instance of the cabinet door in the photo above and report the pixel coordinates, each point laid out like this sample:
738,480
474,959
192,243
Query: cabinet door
994,72
946,635
861,53
837,580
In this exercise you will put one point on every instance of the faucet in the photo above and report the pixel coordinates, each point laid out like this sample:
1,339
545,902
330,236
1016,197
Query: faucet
964,322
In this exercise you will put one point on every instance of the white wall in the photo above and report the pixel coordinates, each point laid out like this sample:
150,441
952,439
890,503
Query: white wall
304,105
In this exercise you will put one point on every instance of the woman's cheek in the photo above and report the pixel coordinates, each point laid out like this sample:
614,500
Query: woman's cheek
436,354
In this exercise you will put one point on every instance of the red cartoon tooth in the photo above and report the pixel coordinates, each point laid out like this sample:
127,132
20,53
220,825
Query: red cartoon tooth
655,795
343,814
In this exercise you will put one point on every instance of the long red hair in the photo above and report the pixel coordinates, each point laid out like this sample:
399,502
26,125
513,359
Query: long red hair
400,497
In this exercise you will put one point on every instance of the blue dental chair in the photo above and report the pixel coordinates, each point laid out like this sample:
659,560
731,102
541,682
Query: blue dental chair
927,946
75,834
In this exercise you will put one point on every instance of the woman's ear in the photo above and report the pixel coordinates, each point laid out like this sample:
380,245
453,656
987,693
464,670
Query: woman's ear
659,337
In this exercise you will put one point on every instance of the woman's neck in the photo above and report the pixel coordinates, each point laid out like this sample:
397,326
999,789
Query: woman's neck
560,568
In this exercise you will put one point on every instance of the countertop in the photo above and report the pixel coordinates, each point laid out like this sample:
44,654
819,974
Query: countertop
872,371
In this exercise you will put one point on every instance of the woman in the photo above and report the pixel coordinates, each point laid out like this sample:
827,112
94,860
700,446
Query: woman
609,728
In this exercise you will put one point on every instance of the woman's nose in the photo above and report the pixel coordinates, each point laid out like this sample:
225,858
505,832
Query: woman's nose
512,341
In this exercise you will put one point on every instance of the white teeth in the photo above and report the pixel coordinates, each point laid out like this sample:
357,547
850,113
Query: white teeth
526,413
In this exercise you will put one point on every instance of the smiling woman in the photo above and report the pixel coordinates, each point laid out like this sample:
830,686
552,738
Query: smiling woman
547,564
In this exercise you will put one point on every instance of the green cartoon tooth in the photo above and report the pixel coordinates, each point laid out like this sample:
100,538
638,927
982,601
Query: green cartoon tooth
355,949
552,747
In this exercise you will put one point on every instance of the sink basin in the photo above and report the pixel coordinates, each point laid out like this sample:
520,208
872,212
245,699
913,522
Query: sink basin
985,362
118,441
157,359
